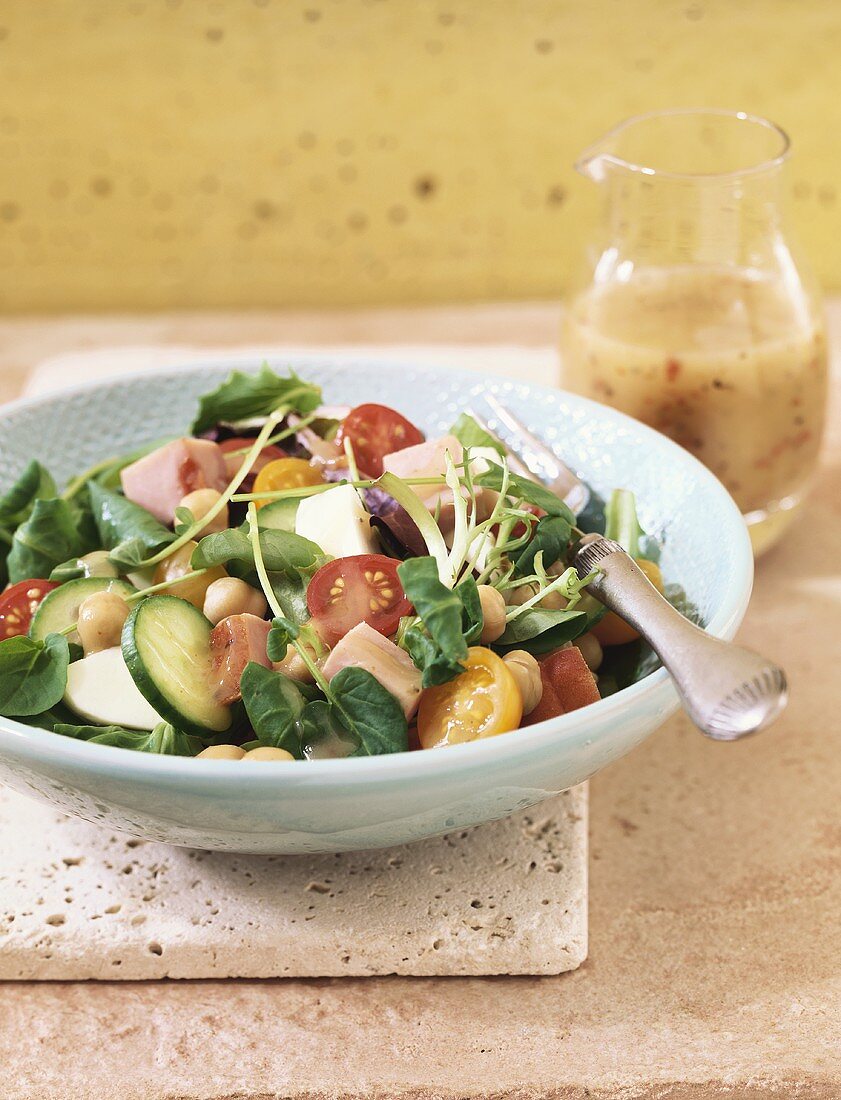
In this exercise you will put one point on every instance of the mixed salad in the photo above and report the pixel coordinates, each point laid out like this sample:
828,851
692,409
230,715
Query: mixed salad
298,581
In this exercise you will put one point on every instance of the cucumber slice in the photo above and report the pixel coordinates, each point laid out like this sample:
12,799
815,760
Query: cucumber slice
166,645
60,608
279,515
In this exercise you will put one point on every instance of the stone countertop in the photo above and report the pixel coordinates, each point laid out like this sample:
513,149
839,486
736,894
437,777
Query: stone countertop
715,877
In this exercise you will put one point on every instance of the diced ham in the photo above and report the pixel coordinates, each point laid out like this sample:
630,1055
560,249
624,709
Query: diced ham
567,685
426,460
159,481
364,647
233,643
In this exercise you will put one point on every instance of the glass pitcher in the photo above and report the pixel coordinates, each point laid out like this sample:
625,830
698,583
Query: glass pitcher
696,316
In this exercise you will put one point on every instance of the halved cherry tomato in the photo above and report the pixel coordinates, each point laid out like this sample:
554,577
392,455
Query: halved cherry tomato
481,702
374,432
568,684
363,588
234,461
611,630
18,604
285,473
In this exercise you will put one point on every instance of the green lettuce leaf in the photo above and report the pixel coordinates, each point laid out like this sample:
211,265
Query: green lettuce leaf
164,739
126,529
33,674
470,434
522,488
243,396
369,712
52,534
551,538
274,705
35,483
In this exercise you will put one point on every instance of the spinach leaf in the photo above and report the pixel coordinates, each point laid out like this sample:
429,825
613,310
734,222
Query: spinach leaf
70,570
470,434
164,739
35,483
291,593
436,666
33,674
522,488
450,620
540,630
242,396
48,537
274,705
322,737
49,719
283,551
472,619
369,712
551,536
125,528
184,520
438,606
282,632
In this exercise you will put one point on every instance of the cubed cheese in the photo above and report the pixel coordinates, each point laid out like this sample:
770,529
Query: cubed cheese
100,689
364,647
337,522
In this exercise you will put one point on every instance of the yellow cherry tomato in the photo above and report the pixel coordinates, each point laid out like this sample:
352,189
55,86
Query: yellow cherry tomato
177,565
285,473
482,701
612,630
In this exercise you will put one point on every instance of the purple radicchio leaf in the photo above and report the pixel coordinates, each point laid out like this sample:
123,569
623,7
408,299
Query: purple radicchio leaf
386,512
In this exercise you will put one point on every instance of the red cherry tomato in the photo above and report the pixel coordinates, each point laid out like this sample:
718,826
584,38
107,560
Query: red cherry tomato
374,432
234,461
18,604
360,589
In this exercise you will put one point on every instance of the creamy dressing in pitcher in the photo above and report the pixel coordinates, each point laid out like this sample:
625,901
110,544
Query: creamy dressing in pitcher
727,363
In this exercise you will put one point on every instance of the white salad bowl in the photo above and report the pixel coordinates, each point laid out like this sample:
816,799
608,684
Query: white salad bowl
370,802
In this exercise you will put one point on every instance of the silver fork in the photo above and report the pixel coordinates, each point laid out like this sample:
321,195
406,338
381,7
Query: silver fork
727,691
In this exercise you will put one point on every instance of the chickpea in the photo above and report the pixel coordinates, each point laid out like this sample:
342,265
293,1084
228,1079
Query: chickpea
555,601
520,595
231,596
199,502
176,565
493,612
526,671
101,618
98,564
524,592
221,752
266,752
591,650
294,666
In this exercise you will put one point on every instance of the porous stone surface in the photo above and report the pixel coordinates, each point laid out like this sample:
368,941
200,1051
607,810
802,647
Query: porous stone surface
78,901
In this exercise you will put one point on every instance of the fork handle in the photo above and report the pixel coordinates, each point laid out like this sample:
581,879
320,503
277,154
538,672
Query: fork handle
727,691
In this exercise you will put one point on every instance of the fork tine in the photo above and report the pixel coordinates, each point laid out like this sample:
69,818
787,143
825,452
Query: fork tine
537,453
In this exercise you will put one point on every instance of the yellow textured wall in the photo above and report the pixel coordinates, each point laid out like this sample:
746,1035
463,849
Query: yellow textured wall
275,152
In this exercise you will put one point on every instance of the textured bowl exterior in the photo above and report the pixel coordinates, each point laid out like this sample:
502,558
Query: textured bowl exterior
336,805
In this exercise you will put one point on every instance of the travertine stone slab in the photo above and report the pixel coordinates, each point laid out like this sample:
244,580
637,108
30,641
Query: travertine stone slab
78,901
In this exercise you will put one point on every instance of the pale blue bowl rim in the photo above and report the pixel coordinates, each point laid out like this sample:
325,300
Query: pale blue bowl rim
656,690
